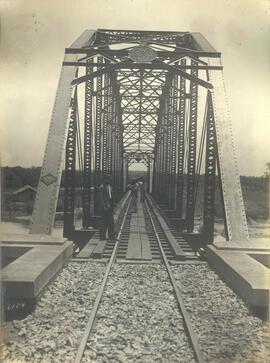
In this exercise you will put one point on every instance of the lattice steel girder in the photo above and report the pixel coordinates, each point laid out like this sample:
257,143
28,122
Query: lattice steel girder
105,128
168,142
131,76
145,89
232,193
163,148
174,143
116,134
128,35
98,140
131,132
133,82
132,102
146,144
131,139
109,128
144,109
210,174
149,99
127,123
192,152
135,112
115,36
50,177
88,130
70,171
181,145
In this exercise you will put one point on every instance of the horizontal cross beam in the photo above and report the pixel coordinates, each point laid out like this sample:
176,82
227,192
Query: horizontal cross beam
85,64
125,53
156,65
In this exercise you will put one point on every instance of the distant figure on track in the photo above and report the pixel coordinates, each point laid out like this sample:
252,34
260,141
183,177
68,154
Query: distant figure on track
106,208
135,190
142,189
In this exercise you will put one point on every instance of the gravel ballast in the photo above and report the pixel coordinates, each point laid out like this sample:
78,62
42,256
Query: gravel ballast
51,333
138,320
226,329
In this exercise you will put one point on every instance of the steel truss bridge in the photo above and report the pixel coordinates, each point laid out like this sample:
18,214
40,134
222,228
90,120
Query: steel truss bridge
156,97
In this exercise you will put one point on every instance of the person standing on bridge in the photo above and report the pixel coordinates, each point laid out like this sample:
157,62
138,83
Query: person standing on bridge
142,189
106,208
135,191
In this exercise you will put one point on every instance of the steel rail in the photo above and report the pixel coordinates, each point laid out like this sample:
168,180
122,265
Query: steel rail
179,298
94,310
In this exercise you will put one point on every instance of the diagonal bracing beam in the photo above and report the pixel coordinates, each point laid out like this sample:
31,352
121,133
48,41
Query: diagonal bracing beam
231,187
50,178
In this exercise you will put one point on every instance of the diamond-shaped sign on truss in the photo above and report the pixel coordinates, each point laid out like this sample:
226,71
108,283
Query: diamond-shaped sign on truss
142,54
48,179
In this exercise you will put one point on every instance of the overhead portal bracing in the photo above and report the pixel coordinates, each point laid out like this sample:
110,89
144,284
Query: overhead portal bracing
141,103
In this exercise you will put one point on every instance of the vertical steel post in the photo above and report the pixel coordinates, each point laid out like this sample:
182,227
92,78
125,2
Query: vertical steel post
192,149
181,143
105,126
161,144
120,150
175,117
117,140
155,164
70,164
150,180
109,126
210,174
98,140
158,147
113,144
125,166
87,150
222,198
163,151
169,142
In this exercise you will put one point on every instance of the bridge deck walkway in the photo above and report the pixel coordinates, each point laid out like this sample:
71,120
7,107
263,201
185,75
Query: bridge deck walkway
138,243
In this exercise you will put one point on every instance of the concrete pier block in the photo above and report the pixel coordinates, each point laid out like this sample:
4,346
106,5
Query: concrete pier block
34,267
244,269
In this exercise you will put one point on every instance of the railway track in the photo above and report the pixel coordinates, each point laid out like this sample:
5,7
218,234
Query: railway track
155,250
192,336
160,247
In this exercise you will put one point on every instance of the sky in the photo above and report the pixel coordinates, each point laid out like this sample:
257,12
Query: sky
35,33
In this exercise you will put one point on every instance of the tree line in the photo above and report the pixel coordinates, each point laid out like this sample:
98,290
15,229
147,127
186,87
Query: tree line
255,189
16,177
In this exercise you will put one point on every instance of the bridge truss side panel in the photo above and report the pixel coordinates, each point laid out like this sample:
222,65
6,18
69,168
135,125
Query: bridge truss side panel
232,193
50,178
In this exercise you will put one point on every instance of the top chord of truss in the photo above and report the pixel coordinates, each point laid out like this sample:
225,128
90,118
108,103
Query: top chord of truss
166,43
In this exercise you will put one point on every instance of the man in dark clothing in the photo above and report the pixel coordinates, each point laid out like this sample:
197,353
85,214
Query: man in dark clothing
142,189
106,207
135,191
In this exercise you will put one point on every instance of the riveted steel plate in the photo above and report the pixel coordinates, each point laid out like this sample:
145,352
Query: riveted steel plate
232,192
142,54
48,179
48,188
